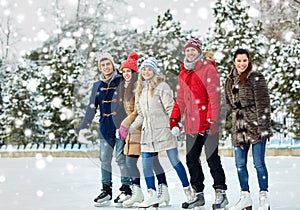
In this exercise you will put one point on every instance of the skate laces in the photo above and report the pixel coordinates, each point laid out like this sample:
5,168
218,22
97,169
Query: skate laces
159,193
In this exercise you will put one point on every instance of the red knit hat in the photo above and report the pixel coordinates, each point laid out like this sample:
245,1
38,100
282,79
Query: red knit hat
195,43
131,62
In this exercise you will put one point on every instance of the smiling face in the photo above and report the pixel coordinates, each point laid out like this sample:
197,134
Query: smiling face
147,73
191,54
127,74
241,63
106,67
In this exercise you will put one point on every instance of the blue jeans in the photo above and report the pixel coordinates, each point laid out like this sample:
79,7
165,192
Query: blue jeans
131,162
258,153
147,161
106,153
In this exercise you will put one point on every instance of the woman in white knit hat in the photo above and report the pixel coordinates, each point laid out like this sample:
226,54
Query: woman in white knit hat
154,103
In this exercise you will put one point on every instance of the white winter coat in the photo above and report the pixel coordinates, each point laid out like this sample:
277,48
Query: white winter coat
153,114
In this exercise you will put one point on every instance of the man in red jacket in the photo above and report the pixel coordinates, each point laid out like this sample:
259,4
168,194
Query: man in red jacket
198,99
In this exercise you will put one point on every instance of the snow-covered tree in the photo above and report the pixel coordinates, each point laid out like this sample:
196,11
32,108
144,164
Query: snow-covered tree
5,119
279,18
284,77
234,29
89,23
56,93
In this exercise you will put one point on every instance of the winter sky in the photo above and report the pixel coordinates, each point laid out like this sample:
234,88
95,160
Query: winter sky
34,27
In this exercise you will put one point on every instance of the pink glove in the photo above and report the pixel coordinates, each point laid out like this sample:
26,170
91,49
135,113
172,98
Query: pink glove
123,132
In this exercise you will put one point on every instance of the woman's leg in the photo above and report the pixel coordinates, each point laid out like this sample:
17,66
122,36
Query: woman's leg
159,171
241,166
258,153
134,173
177,165
147,162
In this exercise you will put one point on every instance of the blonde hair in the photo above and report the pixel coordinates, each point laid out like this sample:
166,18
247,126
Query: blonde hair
153,84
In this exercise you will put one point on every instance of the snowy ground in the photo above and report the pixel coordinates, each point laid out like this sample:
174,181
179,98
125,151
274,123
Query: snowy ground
71,183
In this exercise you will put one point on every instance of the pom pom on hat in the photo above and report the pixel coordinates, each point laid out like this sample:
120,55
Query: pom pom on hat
151,62
131,62
195,43
108,56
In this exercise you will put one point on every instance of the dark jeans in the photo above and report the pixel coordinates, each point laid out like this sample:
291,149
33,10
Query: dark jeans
194,145
134,173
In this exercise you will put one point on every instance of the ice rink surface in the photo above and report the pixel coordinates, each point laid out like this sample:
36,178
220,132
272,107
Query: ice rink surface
50,183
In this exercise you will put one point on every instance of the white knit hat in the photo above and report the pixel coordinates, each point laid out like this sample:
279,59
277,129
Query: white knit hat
151,62
108,56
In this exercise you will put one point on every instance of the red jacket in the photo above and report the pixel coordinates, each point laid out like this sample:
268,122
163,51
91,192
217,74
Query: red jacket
198,97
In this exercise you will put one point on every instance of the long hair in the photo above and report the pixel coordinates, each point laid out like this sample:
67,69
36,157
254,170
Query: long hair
244,75
152,85
127,95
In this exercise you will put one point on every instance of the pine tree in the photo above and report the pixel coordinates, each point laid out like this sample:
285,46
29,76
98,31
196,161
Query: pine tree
5,120
234,29
19,105
284,63
58,98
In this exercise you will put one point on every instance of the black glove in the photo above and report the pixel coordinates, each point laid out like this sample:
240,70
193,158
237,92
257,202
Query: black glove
264,137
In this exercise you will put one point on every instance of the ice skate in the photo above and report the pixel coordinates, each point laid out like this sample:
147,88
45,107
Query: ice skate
221,201
197,203
263,201
245,202
104,199
124,195
151,200
137,197
163,194
189,192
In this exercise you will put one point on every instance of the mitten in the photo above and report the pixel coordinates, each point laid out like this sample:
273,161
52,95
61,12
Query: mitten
173,123
264,137
175,131
123,132
117,134
81,136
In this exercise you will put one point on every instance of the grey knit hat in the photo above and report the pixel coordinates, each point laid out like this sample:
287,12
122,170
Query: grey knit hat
108,56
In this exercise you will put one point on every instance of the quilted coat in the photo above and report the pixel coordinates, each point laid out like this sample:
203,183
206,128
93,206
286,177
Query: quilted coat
153,114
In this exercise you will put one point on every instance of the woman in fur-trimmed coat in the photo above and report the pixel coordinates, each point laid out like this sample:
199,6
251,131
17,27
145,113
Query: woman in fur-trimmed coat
248,101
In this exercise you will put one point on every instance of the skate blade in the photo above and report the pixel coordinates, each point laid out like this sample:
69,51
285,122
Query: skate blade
105,203
148,207
199,208
164,205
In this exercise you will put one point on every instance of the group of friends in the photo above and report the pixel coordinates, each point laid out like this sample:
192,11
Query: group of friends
140,117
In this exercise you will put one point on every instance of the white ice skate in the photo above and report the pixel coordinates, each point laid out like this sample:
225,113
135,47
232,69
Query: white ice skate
245,202
151,200
137,197
163,194
263,201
